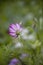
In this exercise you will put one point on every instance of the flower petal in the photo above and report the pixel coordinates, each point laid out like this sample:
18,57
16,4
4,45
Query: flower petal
12,34
13,26
11,30
18,26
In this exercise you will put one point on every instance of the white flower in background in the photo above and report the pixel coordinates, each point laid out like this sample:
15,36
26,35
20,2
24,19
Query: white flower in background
24,33
18,45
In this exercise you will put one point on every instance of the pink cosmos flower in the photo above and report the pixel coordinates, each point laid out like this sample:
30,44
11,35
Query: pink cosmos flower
15,29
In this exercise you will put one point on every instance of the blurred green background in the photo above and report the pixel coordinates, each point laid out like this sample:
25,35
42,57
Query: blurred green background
12,11
29,12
